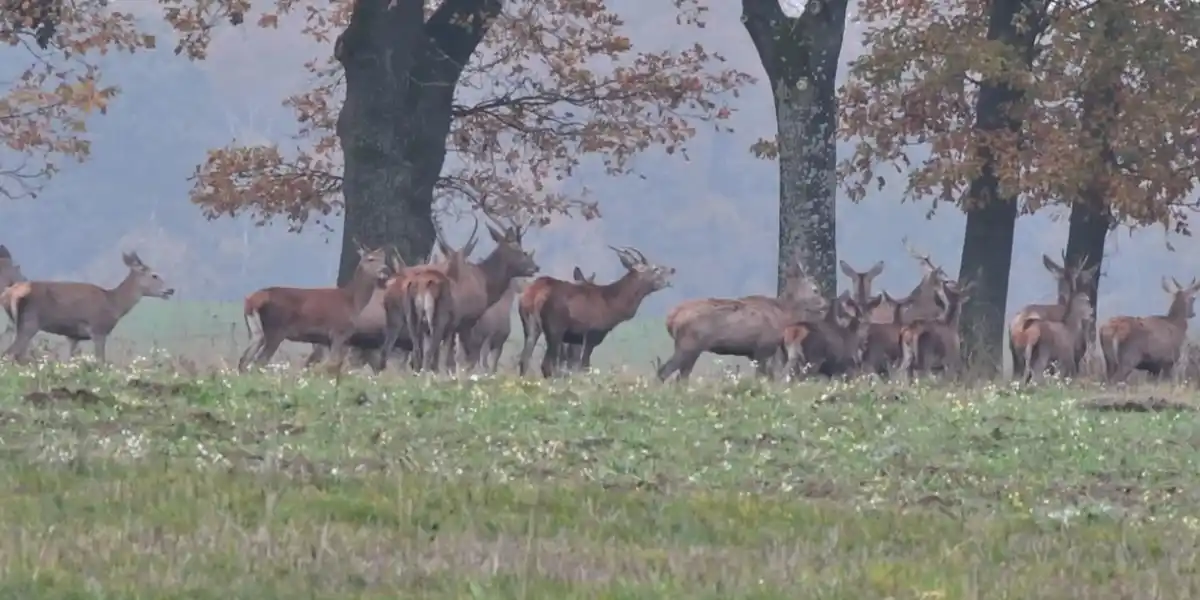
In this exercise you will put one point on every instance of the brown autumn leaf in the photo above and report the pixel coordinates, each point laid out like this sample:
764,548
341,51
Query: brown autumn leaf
55,85
556,84
917,87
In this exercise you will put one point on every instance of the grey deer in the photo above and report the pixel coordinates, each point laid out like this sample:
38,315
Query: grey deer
79,311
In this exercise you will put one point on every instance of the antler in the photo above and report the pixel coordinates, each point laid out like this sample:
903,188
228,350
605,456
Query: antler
913,251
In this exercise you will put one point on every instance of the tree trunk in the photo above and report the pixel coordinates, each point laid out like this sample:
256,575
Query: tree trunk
992,217
800,56
1091,218
401,73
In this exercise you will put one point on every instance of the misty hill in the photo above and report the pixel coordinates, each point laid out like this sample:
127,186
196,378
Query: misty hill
713,217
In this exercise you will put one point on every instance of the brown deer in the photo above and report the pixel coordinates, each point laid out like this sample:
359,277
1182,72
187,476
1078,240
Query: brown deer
750,327
529,308
934,344
1069,279
1056,342
924,299
325,316
370,330
10,273
487,338
79,311
1150,344
587,313
829,347
371,325
881,353
476,286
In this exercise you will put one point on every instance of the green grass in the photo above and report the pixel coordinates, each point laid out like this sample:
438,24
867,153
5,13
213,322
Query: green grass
137,483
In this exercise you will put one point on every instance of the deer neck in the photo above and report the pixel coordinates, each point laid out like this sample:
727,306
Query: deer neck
497,277
625,295
125,296
1177,314
359,289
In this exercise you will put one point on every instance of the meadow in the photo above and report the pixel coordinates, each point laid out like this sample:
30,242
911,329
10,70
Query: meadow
142,482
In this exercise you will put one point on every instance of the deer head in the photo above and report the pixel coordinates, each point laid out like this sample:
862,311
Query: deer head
860,282
456,258
1069,279
928,269
800,289
1183,298
518,260
148,283
374,263
657,276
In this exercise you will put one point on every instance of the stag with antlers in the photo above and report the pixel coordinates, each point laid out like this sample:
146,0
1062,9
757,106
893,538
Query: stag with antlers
1150,344
586,313
1069,280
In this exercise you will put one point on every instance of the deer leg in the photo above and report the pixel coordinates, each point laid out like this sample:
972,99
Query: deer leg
19,347
495,351
72,348
450,351
98,343
472,349
551,358
270,345
317,355
532,328
682,360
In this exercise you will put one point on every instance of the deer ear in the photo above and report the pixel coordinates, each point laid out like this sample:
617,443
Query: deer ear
1050,265
497,236
577,274
4,253
875,270
1167,286
850,272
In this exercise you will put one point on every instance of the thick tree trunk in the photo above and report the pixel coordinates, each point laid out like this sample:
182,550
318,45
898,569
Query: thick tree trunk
800,56
401,73
1091,218
991,217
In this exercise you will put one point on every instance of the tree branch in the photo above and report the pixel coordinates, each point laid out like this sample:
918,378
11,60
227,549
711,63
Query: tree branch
457,27
761,17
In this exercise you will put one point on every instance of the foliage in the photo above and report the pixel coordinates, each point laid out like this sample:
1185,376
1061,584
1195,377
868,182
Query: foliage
917,85
145,483
53,85
557,81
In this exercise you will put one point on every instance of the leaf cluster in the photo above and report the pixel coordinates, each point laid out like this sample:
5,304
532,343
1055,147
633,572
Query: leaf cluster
1107,98
556,81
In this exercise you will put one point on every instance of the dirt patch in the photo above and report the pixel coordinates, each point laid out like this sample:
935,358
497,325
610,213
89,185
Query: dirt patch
158,388
65,396
1142,405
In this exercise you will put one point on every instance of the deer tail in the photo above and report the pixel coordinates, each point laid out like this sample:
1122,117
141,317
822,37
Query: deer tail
11,299
1109,346
253,307
1032,334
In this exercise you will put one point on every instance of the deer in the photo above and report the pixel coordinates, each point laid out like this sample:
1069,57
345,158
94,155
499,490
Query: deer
1047,341
881,353
925,299
934,344
529,308
472,288
1068,279
326,316
750,327
1150,344
79,311
10,273
487,338
587,312
828,345
370,330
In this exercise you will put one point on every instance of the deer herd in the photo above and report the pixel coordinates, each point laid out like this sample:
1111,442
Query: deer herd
423,315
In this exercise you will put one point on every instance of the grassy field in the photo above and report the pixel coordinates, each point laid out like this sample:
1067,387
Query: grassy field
136,483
